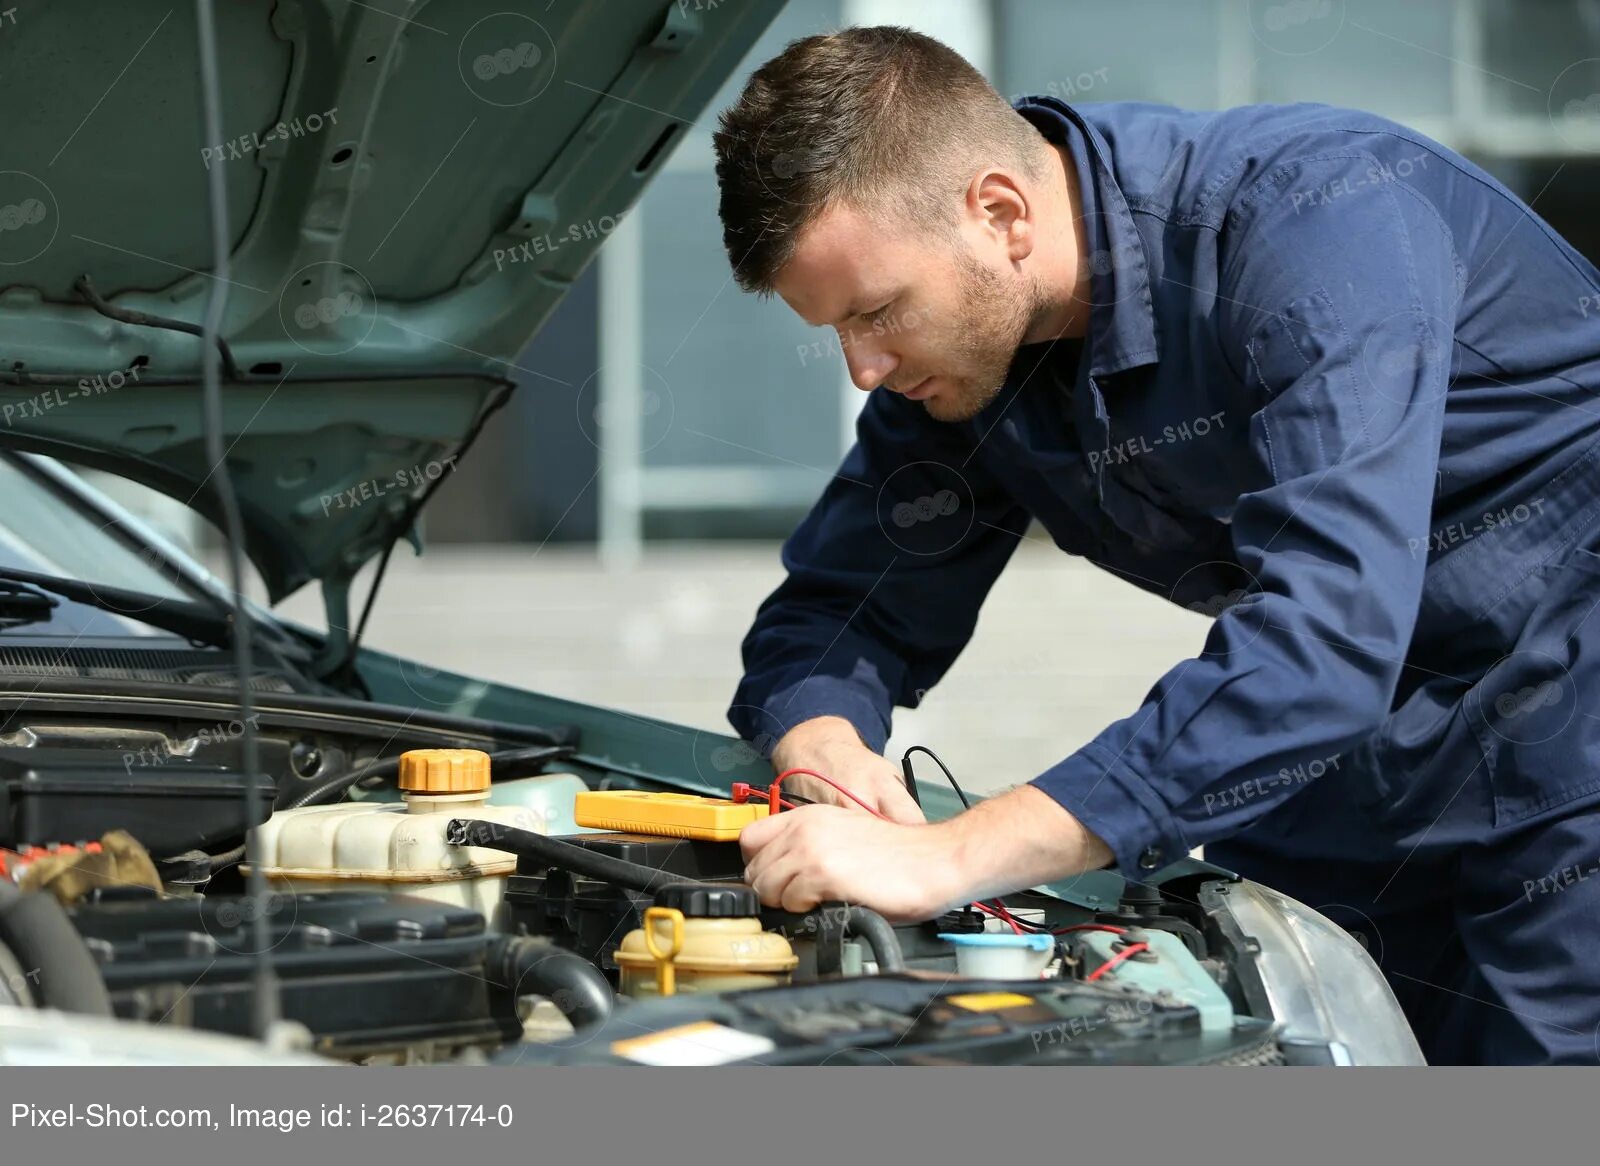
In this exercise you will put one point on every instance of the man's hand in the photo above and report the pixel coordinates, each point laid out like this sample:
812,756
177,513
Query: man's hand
812,854
816,854
831,746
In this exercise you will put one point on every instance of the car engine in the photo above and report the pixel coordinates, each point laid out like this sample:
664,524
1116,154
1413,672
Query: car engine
423,909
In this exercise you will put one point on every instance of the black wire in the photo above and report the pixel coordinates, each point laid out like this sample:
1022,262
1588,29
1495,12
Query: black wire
1027,924
905,763
265,996
21,376
467,443
372,595
146,320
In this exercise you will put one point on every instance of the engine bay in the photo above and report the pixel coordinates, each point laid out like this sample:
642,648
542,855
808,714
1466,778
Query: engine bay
443,889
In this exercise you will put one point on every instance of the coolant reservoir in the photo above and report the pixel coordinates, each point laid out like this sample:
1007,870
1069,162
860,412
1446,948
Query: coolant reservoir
711,935
400,847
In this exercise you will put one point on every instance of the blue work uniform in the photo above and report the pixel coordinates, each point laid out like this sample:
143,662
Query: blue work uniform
1339,391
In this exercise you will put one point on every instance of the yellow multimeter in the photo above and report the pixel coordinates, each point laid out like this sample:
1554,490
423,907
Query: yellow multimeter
668,814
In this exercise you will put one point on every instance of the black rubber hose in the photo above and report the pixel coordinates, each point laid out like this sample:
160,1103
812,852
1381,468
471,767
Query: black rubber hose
221,862
526,844
880,937
536,966
331,789
37,930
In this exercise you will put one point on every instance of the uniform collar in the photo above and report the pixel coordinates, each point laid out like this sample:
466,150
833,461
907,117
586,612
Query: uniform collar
1122,331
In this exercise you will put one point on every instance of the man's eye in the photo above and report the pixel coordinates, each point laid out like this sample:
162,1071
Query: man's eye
877,314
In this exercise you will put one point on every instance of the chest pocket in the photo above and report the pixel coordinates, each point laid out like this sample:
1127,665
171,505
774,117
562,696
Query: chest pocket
1143,512
1138,494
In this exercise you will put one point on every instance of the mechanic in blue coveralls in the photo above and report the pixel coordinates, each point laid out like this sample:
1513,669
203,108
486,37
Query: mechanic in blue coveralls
1295,366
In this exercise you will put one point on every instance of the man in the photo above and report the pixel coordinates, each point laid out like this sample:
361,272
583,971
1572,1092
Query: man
1298,367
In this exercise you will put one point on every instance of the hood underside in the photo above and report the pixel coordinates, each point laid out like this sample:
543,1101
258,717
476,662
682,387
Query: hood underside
411,187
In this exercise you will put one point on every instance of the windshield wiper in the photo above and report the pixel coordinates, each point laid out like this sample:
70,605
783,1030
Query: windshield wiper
200,622
21,605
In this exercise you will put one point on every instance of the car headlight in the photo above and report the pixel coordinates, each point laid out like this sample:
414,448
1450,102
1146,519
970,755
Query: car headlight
1321,984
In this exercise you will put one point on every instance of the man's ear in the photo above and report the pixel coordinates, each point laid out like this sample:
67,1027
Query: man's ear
1001,210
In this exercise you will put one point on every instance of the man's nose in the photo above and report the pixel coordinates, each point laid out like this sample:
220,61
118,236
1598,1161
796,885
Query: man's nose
869,367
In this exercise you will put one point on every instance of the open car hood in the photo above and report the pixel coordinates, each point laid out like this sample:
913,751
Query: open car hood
412,187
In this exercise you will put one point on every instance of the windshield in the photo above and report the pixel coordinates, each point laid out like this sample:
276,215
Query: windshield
46,530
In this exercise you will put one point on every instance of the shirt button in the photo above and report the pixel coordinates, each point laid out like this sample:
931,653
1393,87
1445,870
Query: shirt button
1150,859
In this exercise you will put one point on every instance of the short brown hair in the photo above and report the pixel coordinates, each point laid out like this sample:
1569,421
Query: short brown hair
884,118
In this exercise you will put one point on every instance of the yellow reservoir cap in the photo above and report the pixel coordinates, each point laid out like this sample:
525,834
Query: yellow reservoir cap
670,815
444,771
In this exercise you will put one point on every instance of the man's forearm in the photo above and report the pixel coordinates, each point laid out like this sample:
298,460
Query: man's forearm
1018,839
832,746
808,738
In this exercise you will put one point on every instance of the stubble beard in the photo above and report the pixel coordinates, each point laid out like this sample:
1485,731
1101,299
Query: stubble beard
994,320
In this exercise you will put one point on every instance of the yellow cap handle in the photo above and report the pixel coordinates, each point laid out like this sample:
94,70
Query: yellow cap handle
666,975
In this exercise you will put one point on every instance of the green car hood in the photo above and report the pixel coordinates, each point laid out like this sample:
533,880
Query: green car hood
412,187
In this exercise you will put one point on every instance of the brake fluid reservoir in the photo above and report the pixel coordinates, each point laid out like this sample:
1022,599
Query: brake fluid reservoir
702,937
400,847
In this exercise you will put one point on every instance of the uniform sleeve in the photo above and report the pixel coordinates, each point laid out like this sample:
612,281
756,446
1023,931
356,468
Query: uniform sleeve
1339,316
885,578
